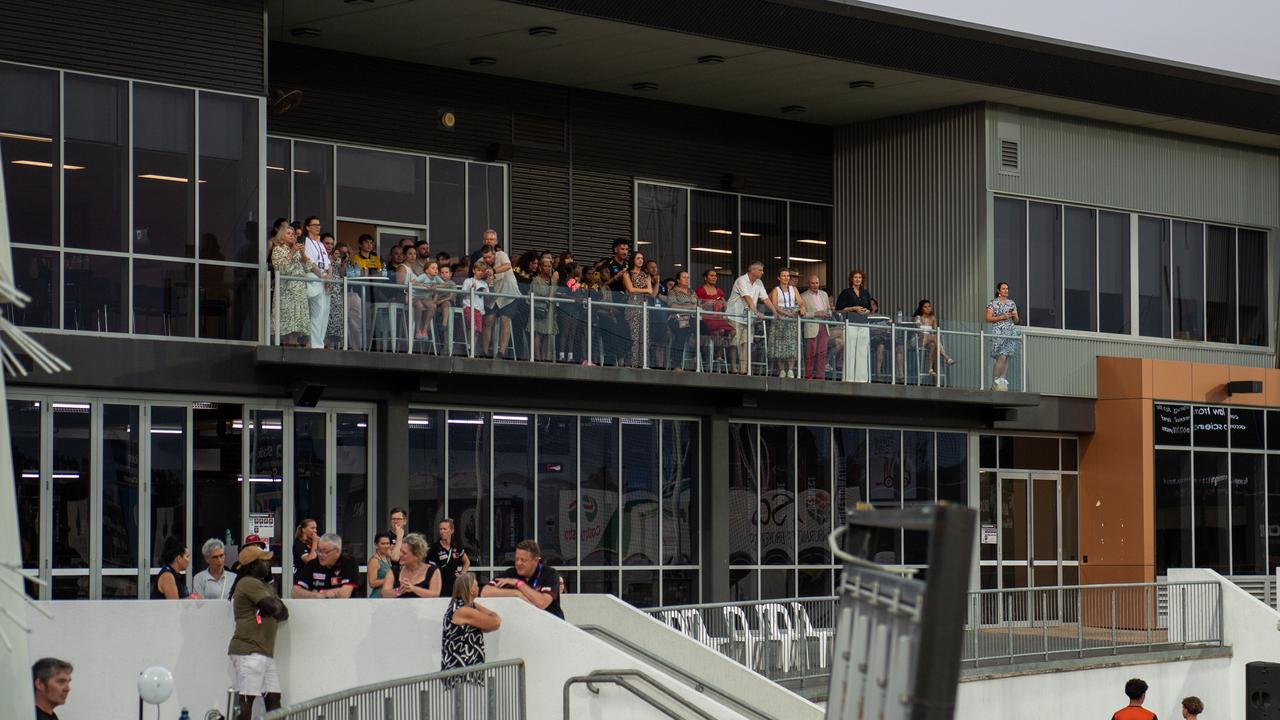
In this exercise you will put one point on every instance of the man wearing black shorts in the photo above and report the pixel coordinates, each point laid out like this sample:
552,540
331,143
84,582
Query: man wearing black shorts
529,579
447,557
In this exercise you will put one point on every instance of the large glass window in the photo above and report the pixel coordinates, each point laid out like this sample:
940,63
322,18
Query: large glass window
1252,263
72,502
1113,273
468,459
598,505
640,511
169,479
36,273
352,474
1080,265
96,292
383,186
313,182
1220,284
163,168
486,202
164,299
1011,247
713,237
120,500
28,142
811,241
1188,280
777,495
558,488
513,476
447,229
1044,264
96,181
662,226
764,236
1154,294
426,468
229,170
279,181
217,483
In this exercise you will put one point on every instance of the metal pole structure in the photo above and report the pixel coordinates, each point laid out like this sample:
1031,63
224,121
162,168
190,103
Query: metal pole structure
644,335
1146,601
590,346
1113,621
533,324
697,339
751,337
471,321
344,312
982,360
275,311
893,353
409,319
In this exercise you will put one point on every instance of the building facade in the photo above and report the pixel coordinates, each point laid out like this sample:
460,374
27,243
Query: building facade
1132,207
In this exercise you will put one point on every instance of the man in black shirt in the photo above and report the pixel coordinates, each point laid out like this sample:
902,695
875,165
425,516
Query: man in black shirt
529,579
449,558
330,575
52,680
612,322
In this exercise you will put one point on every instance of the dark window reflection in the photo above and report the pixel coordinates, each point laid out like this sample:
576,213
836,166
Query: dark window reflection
680,587
744,501
1154,310
486,202
96,291
1044,251
216,432
813,496
512,484
885,464
640,587
1080,267
680,493
169,480
163,169
1114,292
1252,252
352,492
228,302
1220,284
120,500
851,471
36,273
764,236
71,498
28,133
447,224
777,495
24,442
777,584
1248,514
266,477
229,227
469,487
640,492
598,509
1212,496
309,470
1273,513
713,238
600,581
426,469
953,467
811,243
97,163
558,488
1188,280
163,298
1011,247
662,224
313,182
382,186
279,182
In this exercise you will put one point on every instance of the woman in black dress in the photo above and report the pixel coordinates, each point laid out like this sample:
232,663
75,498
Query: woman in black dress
415,577
465,623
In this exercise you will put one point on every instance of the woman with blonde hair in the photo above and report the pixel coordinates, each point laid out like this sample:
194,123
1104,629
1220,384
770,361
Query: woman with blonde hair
415,577
291,315
465,623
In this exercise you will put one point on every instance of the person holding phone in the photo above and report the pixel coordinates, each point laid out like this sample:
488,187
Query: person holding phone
1002,314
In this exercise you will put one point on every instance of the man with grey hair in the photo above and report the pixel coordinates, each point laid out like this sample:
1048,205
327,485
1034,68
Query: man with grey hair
215,581
51,679
743,307
330,575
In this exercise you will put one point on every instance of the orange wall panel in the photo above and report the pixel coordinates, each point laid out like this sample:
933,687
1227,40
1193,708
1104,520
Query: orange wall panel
1271,388
1249,373
1170,380
1207,383
1116,503
1123,378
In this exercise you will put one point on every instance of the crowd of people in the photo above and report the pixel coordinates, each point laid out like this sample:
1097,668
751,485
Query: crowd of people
404,564
503,314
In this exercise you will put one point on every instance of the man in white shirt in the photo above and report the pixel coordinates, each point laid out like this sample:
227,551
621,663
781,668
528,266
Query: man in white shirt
215,581
748,292
317,298
502,280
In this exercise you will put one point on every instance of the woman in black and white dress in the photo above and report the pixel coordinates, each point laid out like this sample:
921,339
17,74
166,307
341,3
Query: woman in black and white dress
465,623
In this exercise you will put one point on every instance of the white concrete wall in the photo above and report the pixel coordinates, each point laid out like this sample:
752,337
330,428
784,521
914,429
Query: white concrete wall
692,657
324,647
1250,627
1097,693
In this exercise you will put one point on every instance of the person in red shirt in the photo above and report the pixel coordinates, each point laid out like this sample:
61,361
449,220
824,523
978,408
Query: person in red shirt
1137,691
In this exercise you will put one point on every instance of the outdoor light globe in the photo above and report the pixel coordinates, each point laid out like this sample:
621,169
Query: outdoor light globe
155,684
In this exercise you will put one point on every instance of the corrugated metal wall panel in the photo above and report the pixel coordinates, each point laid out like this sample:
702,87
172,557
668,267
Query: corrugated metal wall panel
1076,160
1067,365
205,43
612,140
910,210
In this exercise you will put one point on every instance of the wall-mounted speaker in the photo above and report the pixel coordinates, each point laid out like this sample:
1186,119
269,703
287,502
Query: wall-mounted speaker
307,394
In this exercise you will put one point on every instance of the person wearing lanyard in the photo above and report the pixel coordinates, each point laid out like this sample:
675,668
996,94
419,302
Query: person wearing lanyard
448,557
317,298
529,579
215,581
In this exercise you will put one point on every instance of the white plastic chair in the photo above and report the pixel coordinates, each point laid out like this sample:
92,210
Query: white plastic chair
740,633
674,620
697,629
775,624
809,634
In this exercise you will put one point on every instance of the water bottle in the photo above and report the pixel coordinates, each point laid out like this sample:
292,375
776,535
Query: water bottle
899,316
184,715
227,541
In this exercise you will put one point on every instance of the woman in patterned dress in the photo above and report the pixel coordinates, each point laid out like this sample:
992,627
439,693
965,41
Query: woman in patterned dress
339,255
784,346
465,623
290,263
1002,313
640,289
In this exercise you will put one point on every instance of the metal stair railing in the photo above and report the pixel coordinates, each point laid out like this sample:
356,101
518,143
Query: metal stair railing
621,678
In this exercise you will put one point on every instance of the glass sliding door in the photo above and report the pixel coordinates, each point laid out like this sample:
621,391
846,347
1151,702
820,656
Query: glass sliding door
71,500
121,501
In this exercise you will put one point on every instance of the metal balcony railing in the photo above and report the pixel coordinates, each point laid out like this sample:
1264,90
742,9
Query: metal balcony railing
605,328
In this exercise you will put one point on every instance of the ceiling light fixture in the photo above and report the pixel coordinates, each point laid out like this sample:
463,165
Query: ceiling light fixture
482,61
275,167
721,232
166,178
300,171
711,60
800,259
644,86
20,136
793,109
718,251
859,84
543,31
807,241
40,163
747,234
305,32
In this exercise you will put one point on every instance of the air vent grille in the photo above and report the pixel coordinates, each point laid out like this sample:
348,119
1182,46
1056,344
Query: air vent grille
1009,161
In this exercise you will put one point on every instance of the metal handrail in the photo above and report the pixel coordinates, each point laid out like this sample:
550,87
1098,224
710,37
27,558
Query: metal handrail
486,670
698,684
619,678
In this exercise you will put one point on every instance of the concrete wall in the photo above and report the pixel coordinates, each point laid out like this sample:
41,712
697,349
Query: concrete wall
1249,626
323,648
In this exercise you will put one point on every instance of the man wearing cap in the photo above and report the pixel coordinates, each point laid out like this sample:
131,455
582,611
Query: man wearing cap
257,611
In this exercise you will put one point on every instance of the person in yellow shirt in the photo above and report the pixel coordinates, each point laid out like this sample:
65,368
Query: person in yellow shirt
366,259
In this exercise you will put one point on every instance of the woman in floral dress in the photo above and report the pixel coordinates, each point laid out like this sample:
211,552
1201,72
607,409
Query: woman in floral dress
339,255
1002,314
640,289
290,264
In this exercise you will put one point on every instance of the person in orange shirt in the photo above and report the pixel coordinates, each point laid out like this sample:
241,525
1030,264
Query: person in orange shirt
1137,691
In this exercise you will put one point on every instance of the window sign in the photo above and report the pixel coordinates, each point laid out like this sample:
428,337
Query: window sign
1172,424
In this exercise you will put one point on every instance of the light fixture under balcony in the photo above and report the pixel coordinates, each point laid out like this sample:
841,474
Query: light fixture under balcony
747,234
20,136
718,251
721,232
808,241
43,164
800,259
